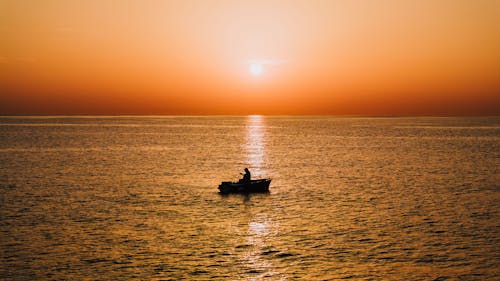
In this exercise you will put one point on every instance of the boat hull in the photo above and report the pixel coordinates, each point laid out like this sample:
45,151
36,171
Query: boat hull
254,186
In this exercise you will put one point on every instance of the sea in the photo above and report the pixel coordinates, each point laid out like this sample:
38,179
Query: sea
357,198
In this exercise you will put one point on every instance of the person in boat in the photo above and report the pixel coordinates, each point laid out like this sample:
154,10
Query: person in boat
246,177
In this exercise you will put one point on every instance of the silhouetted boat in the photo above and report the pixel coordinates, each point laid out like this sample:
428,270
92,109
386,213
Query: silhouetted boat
260,185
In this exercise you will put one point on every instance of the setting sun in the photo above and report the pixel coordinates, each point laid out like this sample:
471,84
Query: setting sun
255,69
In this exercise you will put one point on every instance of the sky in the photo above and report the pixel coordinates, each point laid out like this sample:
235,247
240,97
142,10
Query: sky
334,57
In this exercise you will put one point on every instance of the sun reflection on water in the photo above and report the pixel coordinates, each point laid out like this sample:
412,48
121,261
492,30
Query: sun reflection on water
259,230
255,144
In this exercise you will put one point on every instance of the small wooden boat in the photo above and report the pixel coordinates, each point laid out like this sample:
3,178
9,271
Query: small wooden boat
253,186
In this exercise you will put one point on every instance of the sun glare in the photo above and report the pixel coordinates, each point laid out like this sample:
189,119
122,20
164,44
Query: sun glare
255,69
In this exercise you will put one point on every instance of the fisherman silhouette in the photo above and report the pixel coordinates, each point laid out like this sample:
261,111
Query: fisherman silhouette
246,177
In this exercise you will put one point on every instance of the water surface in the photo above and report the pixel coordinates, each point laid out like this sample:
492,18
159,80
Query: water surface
106,198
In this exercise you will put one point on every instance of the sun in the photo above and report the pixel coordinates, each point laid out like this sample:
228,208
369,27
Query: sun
255,69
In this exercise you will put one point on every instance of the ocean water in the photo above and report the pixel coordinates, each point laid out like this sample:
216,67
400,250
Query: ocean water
135,198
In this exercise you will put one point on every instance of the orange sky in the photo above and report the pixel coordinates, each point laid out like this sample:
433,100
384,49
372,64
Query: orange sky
378,57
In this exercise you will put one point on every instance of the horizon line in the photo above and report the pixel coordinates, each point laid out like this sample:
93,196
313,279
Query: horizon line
245,115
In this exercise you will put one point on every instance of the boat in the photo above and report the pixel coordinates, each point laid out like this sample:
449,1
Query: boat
253,186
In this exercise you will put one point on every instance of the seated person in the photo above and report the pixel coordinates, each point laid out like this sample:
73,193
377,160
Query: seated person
246,176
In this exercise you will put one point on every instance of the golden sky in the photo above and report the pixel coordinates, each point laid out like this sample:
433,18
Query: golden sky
352,57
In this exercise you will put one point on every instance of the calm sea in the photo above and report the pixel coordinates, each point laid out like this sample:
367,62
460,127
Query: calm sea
119,198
